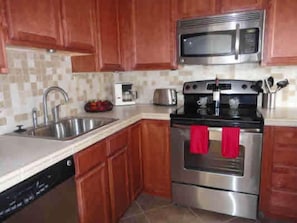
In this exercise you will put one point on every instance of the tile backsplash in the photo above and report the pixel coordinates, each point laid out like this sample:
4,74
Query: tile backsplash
147,81
32,71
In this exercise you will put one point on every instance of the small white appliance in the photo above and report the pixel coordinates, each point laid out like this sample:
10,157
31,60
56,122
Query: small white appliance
123,94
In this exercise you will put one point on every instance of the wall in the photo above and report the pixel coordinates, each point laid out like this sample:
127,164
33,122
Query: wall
146,82
30,72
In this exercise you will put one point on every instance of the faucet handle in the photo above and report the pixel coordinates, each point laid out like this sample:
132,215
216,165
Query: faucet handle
34,117
55,112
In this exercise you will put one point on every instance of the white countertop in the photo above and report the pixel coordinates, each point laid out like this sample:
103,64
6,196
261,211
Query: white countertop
22,157
280,117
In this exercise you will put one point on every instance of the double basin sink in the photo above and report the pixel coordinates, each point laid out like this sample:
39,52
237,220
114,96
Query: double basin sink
67,128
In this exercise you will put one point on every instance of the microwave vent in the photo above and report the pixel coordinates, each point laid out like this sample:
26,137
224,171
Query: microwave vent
232,17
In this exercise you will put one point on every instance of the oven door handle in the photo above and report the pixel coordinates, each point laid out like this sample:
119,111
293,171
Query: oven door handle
217,129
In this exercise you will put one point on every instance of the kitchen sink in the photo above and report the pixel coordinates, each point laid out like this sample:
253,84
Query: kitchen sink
67,128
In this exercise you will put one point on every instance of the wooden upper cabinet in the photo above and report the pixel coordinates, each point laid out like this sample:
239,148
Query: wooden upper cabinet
193,8
79,25
34,23
196,8
108,52
280,45
3,60
241,5
151,34
109,46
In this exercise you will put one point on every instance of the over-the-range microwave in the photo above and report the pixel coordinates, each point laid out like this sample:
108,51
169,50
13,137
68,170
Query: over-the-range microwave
221,39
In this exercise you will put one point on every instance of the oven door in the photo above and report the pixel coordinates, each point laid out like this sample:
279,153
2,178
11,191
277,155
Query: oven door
212,170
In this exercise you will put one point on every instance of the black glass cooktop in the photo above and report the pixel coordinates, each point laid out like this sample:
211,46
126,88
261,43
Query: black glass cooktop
241,117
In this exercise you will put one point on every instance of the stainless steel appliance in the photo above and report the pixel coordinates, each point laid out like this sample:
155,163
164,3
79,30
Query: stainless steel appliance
211,181
47,197
221,39
165,96
123,94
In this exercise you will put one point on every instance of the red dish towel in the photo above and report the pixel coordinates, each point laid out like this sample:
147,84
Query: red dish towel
199,139
230,142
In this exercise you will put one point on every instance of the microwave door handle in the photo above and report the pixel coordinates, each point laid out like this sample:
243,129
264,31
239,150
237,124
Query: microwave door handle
237,39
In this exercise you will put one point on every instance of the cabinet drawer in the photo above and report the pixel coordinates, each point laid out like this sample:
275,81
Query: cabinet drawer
90,157
286,136
117,142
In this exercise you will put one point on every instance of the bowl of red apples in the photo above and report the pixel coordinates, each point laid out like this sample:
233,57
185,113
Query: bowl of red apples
98,106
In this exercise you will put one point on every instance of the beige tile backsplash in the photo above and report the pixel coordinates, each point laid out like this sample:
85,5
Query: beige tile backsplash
31,72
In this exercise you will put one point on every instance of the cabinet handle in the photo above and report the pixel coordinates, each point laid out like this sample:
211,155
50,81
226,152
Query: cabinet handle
237,39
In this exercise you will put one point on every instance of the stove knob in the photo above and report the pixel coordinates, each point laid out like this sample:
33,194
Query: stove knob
244,86
195,86
187,87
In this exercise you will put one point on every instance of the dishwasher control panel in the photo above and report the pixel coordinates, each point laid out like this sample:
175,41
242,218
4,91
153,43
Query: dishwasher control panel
24,193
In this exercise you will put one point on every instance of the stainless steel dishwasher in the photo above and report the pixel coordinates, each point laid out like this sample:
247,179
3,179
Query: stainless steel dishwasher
47,197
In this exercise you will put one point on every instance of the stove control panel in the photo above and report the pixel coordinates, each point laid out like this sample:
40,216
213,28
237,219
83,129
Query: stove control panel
225,86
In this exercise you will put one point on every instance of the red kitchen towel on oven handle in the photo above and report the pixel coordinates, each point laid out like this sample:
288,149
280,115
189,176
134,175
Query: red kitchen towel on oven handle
199,139
230,142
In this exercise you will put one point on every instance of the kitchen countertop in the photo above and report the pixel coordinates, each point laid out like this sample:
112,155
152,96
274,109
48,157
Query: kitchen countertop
280,117
22,157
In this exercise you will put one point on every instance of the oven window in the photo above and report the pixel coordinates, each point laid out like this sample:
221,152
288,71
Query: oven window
213,161
208,44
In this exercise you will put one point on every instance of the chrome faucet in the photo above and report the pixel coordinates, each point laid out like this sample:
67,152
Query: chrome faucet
45,94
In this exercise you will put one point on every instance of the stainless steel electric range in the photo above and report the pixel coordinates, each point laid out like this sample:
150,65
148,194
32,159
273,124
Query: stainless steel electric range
211,181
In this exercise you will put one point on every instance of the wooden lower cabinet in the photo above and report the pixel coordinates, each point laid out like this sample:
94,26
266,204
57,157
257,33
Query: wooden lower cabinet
92,189
92,184
156,157
278,195
118,174
135,161
111,173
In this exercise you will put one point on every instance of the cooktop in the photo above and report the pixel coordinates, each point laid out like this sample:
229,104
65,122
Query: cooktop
241,117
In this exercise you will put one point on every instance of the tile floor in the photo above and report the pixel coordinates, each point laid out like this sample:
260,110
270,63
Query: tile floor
151,209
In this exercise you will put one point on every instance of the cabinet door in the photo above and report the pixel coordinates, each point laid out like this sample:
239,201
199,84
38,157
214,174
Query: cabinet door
118,173
156,157
135,161
34,23
280,47
241,5
151,34
118,183
93,196
3,61
278,195
195,8
79,25
109,47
